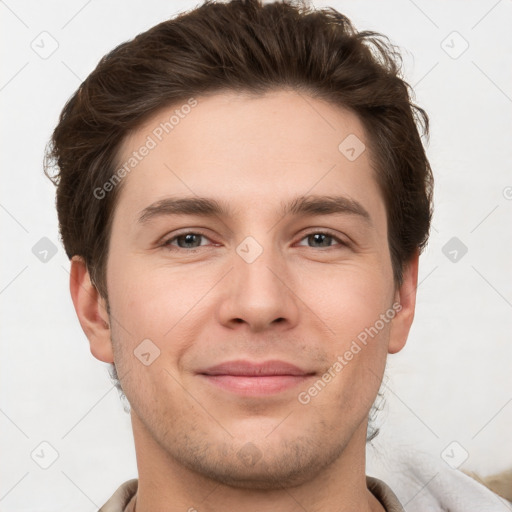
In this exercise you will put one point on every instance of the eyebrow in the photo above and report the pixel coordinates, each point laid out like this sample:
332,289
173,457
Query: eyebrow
299,206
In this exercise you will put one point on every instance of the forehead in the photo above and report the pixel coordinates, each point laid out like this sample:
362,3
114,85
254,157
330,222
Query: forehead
247,150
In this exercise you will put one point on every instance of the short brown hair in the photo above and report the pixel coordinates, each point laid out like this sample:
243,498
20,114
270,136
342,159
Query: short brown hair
241,45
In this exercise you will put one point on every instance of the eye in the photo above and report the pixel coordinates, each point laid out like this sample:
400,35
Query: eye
188,240
323,238
191,240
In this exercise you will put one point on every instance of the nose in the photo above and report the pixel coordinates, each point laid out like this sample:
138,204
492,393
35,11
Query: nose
260,294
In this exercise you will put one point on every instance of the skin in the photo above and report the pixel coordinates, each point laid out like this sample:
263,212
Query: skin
209,306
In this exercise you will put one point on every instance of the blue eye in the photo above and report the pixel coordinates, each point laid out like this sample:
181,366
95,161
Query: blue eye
191,240
321,237
188,239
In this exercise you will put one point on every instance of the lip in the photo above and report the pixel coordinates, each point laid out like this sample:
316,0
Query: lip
249,369
255,378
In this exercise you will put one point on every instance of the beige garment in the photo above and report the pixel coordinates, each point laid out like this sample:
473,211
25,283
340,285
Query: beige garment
500,483
123,500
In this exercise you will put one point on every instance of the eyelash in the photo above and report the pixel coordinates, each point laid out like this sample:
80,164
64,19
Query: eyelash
167,243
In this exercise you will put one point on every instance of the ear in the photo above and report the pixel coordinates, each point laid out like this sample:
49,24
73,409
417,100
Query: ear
405,295
91,310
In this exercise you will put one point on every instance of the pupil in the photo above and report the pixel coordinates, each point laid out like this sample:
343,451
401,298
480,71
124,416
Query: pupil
189,239
319,236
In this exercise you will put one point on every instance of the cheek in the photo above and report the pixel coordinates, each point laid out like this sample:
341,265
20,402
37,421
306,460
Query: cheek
151,301
356,352
157,312
354,307
347,299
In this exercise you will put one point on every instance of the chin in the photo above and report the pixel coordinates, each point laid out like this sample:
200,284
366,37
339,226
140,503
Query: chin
263,468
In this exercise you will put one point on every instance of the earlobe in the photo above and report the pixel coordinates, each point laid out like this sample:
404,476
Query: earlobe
406,297
91,310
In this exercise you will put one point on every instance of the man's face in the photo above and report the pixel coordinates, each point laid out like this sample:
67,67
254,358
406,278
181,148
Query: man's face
251,284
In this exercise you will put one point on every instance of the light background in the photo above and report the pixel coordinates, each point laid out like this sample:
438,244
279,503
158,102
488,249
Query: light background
453,380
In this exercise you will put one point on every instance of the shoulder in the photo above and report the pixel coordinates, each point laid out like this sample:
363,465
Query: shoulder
384,494
122,500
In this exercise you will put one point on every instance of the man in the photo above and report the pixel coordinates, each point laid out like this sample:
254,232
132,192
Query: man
244,195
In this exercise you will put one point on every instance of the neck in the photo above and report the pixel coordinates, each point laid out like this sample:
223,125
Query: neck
165,484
